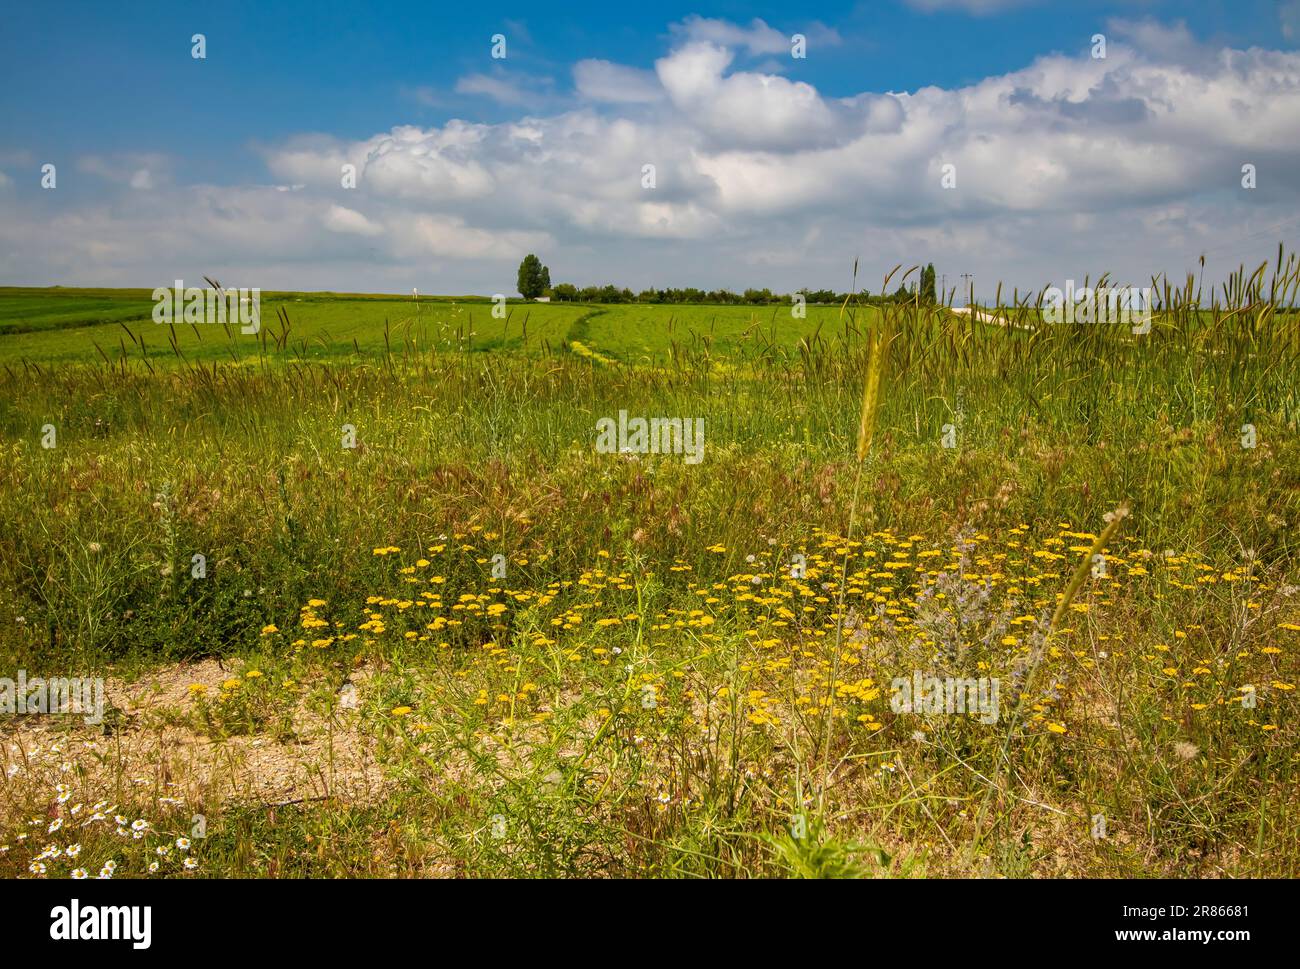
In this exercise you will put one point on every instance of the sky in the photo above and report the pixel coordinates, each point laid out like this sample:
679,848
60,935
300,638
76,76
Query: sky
986,136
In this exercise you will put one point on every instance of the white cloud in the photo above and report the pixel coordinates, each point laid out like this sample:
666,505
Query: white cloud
340,219
138,171
744,108
1165,44
417,236
512,90
757,38
615,83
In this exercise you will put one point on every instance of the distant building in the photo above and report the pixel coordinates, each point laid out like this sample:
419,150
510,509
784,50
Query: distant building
541,299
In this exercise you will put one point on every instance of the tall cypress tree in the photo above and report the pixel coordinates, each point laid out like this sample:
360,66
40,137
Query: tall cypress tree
927,284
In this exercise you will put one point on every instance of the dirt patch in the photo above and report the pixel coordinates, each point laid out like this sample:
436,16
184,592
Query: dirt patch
150,753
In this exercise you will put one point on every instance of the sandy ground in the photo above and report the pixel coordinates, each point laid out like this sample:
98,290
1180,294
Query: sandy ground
150,751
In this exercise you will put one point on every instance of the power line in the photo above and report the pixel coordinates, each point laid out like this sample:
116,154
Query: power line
1253,235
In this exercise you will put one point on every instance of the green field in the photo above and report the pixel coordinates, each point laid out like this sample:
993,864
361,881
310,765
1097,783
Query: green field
95,325
436,630
74,325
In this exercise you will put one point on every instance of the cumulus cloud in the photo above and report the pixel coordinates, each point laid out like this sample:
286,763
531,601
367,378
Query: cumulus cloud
745,109
1067,166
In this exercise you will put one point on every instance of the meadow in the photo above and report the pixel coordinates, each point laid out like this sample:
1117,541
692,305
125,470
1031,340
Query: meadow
112,326
435,632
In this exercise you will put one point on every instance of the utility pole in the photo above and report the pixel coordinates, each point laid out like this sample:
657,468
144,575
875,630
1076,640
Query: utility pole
970,297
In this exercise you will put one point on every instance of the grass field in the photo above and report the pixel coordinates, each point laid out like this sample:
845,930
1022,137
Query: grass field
105,325
436,631
88,326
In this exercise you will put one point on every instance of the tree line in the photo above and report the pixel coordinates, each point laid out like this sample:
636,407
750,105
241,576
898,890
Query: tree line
535,280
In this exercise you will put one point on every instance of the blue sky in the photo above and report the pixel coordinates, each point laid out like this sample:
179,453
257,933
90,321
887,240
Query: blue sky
120,76
139,128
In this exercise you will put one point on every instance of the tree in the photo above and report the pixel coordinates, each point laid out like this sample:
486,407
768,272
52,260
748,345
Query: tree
534,278
927,284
